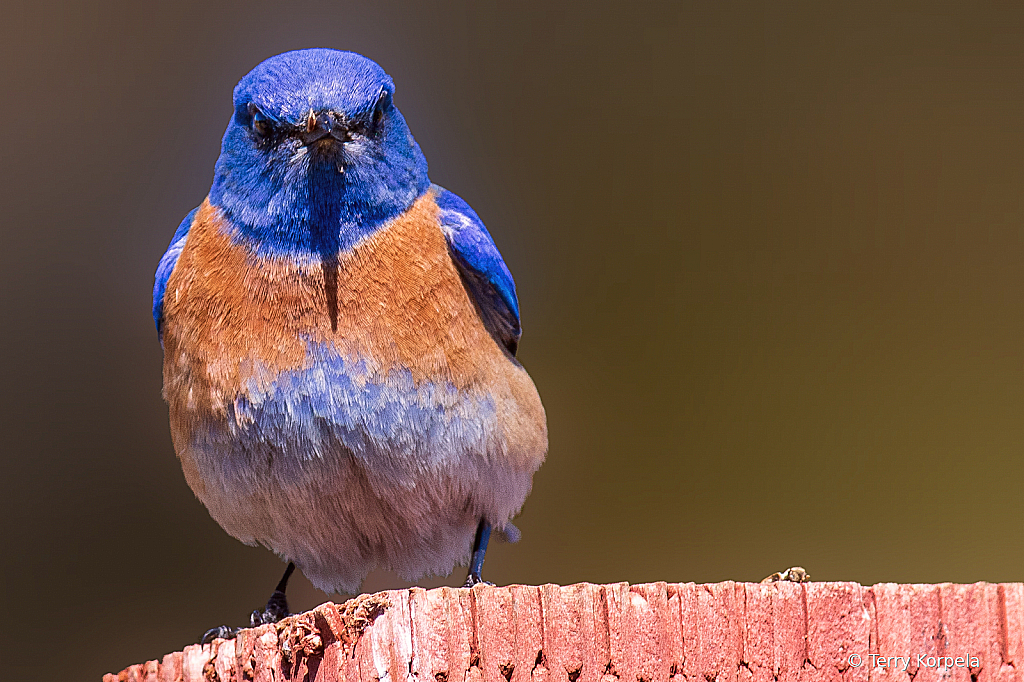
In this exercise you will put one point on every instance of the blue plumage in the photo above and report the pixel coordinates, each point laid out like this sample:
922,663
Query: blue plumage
339,337
482,267
166,266
281,196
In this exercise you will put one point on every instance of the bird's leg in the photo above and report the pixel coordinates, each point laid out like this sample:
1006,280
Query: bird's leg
277,605
275,610
476,564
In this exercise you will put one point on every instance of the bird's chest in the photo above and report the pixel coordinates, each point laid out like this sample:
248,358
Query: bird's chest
236,322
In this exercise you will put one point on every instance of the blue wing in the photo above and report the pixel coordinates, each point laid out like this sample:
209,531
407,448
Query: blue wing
483,271
166,266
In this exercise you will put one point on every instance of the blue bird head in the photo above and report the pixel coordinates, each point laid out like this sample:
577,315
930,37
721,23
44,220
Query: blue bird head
316,155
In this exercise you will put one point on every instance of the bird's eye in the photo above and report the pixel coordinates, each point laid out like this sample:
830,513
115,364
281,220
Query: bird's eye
261,124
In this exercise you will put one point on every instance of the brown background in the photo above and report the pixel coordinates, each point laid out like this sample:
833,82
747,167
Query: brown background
769,260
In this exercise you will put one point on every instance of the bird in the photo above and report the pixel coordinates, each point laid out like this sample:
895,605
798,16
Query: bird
339,340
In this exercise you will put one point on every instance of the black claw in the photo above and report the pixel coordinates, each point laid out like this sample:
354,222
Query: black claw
277,605
222,632
275,610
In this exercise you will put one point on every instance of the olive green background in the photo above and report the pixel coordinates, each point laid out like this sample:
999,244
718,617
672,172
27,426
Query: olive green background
769,258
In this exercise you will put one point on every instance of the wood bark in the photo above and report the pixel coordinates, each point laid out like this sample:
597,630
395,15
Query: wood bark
657,632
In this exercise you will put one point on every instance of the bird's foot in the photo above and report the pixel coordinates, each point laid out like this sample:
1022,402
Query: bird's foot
476,580
476,564
222,632
275,610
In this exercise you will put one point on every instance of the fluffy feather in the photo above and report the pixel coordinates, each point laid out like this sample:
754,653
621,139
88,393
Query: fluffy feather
339,337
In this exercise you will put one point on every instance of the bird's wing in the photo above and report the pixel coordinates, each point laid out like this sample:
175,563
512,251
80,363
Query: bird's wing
166,266
483,271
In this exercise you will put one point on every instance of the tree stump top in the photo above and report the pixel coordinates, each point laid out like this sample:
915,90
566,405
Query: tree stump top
656,632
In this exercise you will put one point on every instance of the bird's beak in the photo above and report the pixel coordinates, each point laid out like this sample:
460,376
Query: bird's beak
323,126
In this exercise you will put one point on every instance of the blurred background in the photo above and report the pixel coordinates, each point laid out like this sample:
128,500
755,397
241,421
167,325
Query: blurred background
769,259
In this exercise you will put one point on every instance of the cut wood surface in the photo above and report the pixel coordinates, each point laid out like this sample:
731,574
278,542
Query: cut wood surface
629,633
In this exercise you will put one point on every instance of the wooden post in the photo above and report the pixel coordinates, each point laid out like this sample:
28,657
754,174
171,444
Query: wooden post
656,632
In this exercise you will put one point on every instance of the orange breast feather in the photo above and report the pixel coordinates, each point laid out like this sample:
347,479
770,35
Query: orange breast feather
235,320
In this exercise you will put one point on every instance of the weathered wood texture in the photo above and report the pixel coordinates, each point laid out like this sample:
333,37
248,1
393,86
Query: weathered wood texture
629,633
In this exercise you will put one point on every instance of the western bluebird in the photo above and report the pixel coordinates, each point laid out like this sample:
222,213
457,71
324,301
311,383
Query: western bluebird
339,339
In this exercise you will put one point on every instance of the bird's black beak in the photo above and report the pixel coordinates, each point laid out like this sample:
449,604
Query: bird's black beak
323,126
